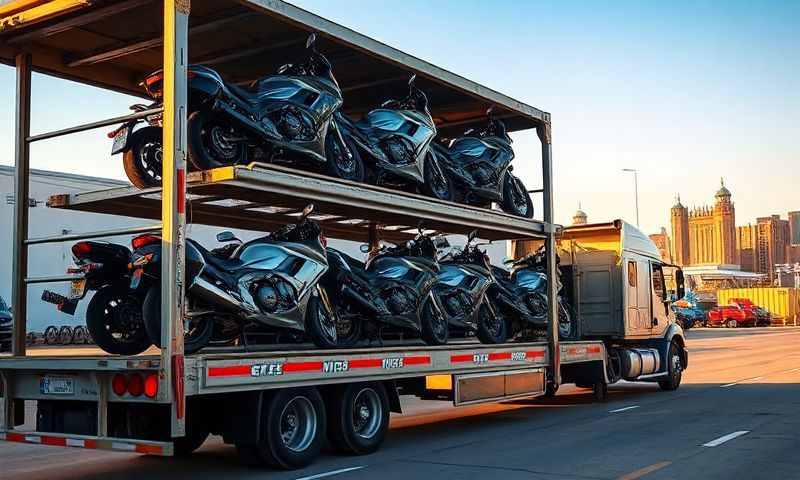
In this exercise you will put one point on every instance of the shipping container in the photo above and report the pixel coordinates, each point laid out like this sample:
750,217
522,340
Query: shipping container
782,302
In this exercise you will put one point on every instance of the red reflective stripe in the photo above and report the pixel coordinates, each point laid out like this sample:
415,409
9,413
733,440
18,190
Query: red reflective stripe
55,441
461,358
535,354
88,443
302,367
422,360
594,349
177,384
500,356
15,437
149,449
181,193
231,371
366,363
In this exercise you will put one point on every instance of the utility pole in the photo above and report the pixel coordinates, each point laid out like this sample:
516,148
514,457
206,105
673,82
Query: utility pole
635,190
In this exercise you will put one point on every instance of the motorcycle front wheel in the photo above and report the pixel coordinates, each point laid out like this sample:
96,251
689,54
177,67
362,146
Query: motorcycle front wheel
492,325
114,320
516,200
213,142
339,164
325,330
142,159
437,184
434,325
567,323
197,333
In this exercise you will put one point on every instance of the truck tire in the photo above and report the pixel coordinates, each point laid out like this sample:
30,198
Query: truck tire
293,430
358,418
674,369
197,429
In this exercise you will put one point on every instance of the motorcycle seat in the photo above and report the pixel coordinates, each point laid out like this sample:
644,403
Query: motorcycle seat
226,264
243,94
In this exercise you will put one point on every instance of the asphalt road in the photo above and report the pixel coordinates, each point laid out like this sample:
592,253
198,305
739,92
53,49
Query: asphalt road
737,415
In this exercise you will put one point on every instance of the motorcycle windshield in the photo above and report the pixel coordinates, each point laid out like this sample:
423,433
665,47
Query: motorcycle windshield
469,147
450,275
531,280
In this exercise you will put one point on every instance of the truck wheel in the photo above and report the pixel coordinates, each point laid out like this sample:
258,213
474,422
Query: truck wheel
491,326
293,426
197,429
732,323
358,418
674,369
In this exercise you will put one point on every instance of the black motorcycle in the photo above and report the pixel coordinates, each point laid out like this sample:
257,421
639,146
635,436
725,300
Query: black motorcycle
114,314
395,140
270,281
521,297
279,118
480,165
462,285
392,291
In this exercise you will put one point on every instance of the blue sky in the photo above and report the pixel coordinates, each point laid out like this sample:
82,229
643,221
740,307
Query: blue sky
685,92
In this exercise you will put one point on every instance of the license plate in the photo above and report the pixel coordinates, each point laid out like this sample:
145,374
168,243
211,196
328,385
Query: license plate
57,386
76,288
120,140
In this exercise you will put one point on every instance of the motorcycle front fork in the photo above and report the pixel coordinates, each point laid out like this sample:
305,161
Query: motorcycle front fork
340,139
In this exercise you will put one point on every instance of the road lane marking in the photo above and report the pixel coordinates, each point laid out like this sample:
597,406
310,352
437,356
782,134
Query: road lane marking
624,409
725,438
634,475
331,473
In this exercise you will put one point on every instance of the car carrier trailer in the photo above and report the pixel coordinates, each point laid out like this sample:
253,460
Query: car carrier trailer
166,403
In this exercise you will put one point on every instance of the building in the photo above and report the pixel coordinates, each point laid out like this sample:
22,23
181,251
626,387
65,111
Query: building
794,227
747,246
772,244
663,244
706,235
580,217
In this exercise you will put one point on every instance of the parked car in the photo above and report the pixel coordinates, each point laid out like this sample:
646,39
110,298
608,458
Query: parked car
5,326
763,316
687,313
731,316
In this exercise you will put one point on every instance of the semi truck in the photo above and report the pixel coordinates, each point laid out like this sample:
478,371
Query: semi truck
278,403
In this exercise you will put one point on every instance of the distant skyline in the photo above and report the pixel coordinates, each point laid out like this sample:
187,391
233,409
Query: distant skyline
685,92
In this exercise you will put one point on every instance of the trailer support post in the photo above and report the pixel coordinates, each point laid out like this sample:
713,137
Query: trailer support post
19,290
544,133
173,210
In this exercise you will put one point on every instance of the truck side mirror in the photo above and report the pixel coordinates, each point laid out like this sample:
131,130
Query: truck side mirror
680,283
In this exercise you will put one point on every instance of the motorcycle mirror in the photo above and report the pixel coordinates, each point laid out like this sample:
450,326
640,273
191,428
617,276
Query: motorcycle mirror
490,111
420,226
364,248
311,40
472,236
412,81
227,236
307,211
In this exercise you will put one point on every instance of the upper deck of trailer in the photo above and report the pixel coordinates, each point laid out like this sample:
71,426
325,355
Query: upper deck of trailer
116,43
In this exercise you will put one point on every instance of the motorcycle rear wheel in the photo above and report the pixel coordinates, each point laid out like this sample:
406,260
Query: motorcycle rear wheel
198,335
114,320
208,145
142,159
516,200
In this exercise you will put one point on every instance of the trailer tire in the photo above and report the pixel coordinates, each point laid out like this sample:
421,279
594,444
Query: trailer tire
293,428
358,418
674,369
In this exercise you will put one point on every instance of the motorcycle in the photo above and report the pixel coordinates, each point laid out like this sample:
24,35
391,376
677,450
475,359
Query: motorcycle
393,289
480,164
395,139
271,281
521,297
280,118
114,314
462,285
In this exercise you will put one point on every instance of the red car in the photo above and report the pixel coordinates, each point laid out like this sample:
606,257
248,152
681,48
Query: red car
731,316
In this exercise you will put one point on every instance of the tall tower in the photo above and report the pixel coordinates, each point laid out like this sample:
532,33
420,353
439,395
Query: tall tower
580,217
679,218
724,227
794,227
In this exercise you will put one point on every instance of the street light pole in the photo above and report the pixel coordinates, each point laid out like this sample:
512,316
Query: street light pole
635,190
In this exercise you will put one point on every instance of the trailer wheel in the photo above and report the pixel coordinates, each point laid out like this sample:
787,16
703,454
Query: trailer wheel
293,425
674,368
358,418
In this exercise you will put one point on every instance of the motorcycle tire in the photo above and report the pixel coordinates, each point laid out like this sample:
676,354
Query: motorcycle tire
434,330
50,335
206,148
437,184
509,205
567,324
65,335
492,328
197,338
114,320
319,323
142,159
336,164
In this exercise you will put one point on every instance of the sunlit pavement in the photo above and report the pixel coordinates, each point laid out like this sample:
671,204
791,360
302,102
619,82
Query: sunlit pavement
737,415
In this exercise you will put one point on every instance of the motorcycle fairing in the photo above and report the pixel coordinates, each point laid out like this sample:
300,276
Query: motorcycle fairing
469,158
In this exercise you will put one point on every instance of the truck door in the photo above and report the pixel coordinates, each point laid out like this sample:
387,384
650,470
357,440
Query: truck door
638,321
660,306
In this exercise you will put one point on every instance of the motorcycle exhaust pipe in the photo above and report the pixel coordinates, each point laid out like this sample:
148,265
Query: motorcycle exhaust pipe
209,292
360,300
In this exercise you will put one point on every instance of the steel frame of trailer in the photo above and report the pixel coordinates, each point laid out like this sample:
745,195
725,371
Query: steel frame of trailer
172,365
